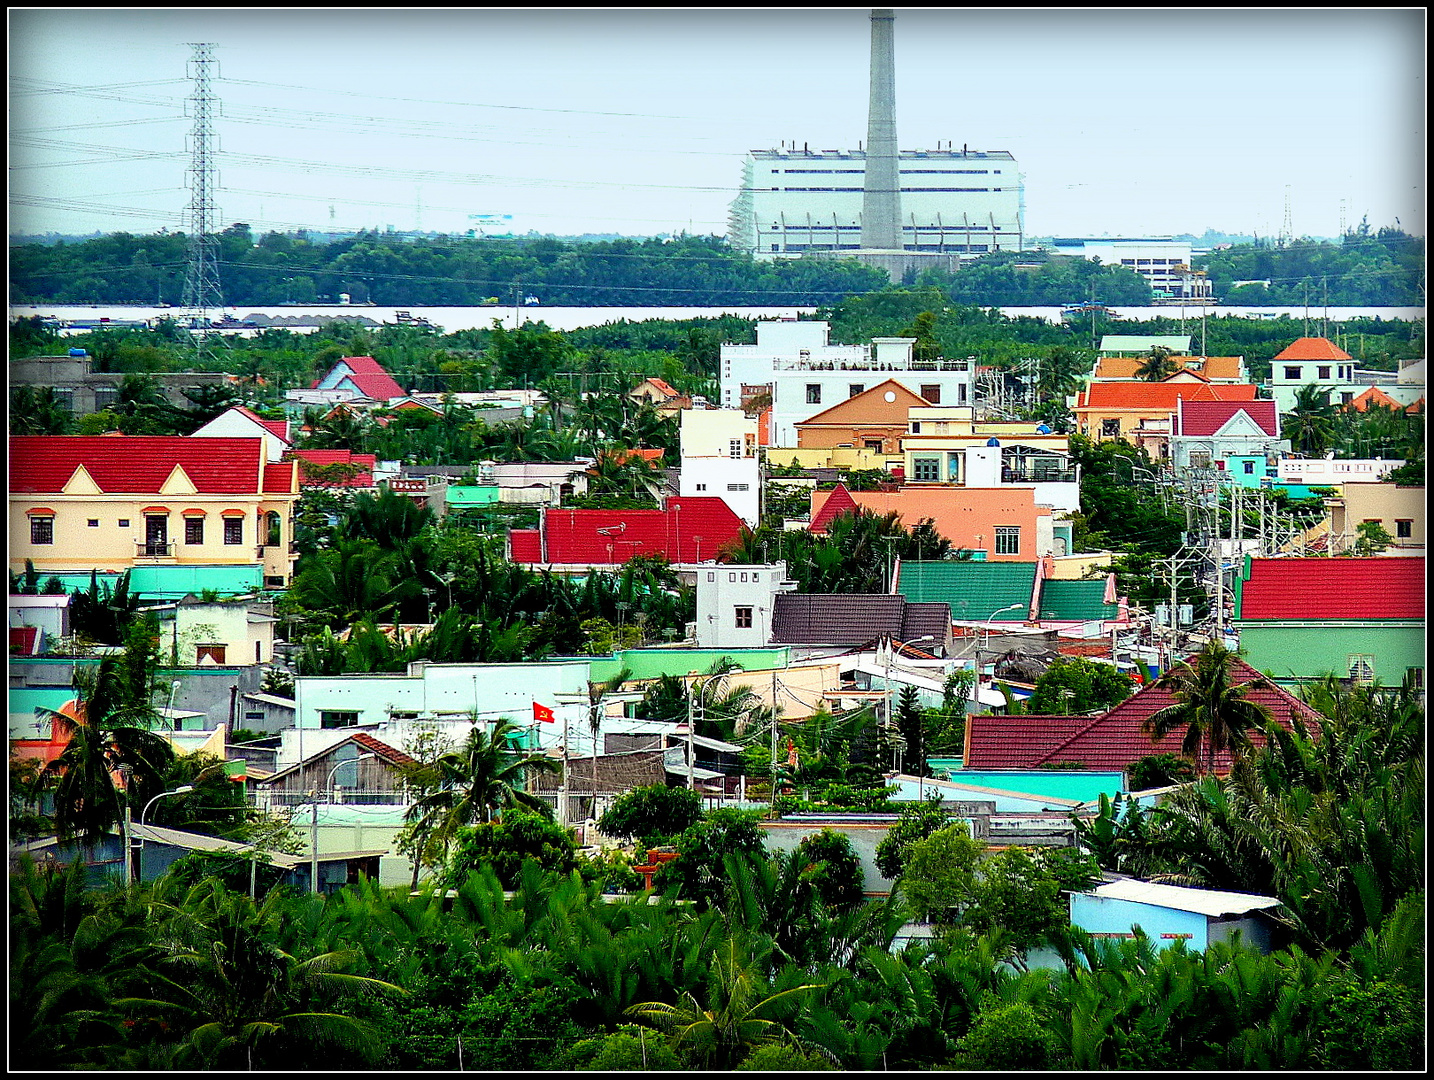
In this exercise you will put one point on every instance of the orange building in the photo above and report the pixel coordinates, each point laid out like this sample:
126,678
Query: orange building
1141,412
1005,523
1217,369
874,419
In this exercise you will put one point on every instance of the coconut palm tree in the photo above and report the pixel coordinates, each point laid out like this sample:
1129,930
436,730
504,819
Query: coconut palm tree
481,776
1156,365
1311,422
108,728
740,1012
224,979
1215,711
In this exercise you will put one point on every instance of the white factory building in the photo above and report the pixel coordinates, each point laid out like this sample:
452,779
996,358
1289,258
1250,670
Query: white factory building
804,373
1162,261
794,201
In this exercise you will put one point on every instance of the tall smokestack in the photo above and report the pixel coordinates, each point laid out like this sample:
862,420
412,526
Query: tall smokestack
881,195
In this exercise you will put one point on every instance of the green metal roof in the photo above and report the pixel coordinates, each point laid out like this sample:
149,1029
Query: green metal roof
1075,600
973,589
653,663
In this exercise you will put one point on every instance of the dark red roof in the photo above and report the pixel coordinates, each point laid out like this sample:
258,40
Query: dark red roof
525,545
136,464
368,375
1112,740
838,502
691,528
1384,587
1208,417
280,477
855,619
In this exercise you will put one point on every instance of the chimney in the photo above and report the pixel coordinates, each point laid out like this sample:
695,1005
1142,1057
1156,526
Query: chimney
881,197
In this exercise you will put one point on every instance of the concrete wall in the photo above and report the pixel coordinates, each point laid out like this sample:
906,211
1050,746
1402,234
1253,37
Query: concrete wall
1291,653
1110,917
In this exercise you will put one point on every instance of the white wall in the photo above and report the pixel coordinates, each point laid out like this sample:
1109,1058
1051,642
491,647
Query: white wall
736,481
723,589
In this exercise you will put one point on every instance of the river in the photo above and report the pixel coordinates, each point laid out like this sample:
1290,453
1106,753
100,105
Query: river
450,319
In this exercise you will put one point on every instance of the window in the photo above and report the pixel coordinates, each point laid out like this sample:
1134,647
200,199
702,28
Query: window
734,448
855,388
737,487
711,576
744,575
916,427
234,530
211,652
258,652
42,530
1110,428
194,530
253,717
1199,459
275,529
123,523
814,394
926,468
931,392
1404,528
1361,668
329,718
744,618
872,444
701,487
1292,373
1324,371
93,523
1414,676
1008,539
1346,397
1249,467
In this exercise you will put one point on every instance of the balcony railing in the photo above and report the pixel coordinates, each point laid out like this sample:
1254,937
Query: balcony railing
1039,476
154,550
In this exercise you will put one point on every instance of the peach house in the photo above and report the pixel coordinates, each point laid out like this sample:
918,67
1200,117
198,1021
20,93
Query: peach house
114,502
1002,524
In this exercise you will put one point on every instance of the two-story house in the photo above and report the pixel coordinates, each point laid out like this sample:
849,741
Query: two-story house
116,502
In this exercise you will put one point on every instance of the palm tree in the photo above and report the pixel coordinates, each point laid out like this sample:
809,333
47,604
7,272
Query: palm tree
479,777
226,980
1215,712
1156,365
739,1013
1310,423
107,727
598,692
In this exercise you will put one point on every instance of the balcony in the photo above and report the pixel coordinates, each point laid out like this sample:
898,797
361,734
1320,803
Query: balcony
1040,476
154,550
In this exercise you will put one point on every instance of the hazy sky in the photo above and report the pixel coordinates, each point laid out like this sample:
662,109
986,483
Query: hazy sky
636,121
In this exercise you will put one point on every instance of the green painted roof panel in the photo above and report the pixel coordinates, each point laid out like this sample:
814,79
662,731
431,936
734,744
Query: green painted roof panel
1072,600
973,589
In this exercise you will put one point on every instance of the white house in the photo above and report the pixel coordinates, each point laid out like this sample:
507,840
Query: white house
242,423
219,633
719,457
734,604
803,373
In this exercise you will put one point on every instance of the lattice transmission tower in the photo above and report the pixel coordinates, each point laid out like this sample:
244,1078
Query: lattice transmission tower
202,292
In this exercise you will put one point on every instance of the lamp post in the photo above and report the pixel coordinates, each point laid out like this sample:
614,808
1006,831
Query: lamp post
693,699
314,821
979,650
181,790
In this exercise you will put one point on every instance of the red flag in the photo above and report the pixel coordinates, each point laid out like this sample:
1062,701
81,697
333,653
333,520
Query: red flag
542,713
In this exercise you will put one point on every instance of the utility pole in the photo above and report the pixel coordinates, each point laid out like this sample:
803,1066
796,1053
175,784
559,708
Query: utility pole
314,842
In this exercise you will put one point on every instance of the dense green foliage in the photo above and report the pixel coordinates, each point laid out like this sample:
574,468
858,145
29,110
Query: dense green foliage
1364,268
442,271
1077,685
651,815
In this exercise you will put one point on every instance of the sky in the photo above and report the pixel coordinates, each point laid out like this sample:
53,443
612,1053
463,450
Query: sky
636,121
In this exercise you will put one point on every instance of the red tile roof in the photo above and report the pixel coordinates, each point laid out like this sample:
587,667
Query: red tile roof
1312,348
1374,396
382,749
1112,740
362,479
137,464
1385,587
368,376
274,427
689,529
281,477
838,502
525,545
1208,417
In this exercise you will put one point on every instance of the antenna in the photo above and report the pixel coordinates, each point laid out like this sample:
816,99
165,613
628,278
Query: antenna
201,280
1287,231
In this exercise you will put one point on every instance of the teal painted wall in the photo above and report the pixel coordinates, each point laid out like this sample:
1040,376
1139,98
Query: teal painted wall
1052,783
459,496
175,582
1305,652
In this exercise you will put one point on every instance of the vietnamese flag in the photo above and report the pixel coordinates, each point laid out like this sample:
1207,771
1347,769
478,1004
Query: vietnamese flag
542,713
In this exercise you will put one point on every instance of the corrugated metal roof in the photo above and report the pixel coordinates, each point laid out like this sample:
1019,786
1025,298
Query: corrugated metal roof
689,529
1209,902
1318,590
1075,600
972,589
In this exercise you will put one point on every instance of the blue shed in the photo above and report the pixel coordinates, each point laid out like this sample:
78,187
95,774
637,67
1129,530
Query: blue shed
1170,913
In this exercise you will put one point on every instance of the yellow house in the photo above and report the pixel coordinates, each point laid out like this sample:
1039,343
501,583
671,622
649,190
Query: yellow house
1397,510
114,502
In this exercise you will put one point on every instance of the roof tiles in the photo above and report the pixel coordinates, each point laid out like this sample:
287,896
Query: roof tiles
689,529
854,619
1161,395
1208,417
1315,590
1312,348
974,590
137,464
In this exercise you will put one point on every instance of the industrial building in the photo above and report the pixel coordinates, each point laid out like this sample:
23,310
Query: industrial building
795,200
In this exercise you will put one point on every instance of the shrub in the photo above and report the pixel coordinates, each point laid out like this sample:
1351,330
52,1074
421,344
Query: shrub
834,870
1011,1037
630,1048
698,870
779,1057
505,844
917,822
651,815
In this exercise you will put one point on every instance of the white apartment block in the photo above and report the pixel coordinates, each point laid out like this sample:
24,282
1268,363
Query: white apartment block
1162,261
719,457
734,604
963,202
1340,382
1327,472
805,374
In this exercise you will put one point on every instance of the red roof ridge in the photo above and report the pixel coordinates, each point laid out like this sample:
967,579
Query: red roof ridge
838,502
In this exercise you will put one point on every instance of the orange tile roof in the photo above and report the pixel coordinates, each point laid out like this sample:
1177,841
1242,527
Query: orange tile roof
1213,367
1374,396
1313,348
1161,395
871,406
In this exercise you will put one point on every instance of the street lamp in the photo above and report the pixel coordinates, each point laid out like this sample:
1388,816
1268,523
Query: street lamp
693,699
979,649
314,821
181,790
329,785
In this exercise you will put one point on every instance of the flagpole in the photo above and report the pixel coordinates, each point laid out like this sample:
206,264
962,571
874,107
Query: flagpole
563,785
